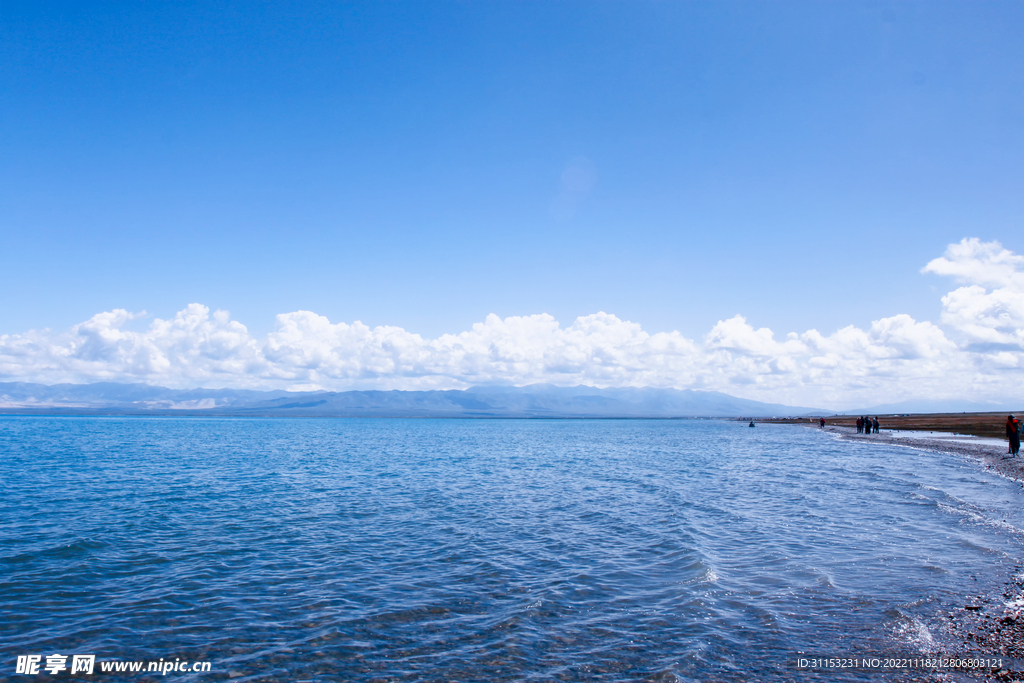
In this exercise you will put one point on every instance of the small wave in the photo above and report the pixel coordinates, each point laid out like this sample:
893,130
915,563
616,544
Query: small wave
909,630
977,517
709,575
81,546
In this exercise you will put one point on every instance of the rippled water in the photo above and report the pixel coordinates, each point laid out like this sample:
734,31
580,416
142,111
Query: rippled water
490,550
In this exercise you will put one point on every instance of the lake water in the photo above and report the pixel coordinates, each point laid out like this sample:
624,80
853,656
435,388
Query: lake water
483,550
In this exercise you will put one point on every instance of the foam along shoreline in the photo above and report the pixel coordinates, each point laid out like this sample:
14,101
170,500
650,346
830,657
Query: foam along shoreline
946,436
990,451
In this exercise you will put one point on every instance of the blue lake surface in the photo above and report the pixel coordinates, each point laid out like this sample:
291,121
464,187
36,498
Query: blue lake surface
484,550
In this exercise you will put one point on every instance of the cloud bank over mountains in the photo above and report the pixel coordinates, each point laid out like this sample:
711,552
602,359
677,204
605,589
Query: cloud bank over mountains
976,352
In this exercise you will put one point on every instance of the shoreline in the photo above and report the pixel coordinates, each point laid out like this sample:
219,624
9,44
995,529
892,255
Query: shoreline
993,456
984,624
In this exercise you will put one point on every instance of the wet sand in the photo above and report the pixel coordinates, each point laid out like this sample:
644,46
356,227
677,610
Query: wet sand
984,624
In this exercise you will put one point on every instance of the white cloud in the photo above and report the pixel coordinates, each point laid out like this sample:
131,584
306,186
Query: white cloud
980,263
977,353
989,311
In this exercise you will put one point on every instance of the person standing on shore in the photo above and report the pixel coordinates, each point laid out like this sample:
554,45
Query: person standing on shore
874,425
860,425
1013,434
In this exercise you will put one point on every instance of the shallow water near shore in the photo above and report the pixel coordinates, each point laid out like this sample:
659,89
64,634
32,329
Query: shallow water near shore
346,549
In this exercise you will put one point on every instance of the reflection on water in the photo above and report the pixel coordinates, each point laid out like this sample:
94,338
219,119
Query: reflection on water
483,550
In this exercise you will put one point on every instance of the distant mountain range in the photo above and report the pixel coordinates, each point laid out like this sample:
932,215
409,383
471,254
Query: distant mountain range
534,401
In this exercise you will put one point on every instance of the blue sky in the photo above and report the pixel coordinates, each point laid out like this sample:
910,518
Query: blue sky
423,165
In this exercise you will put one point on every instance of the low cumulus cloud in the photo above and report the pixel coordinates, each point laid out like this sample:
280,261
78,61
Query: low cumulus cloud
975,352
988,311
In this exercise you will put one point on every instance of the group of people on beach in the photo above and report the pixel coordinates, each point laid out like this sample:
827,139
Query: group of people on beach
1013,434
867,425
